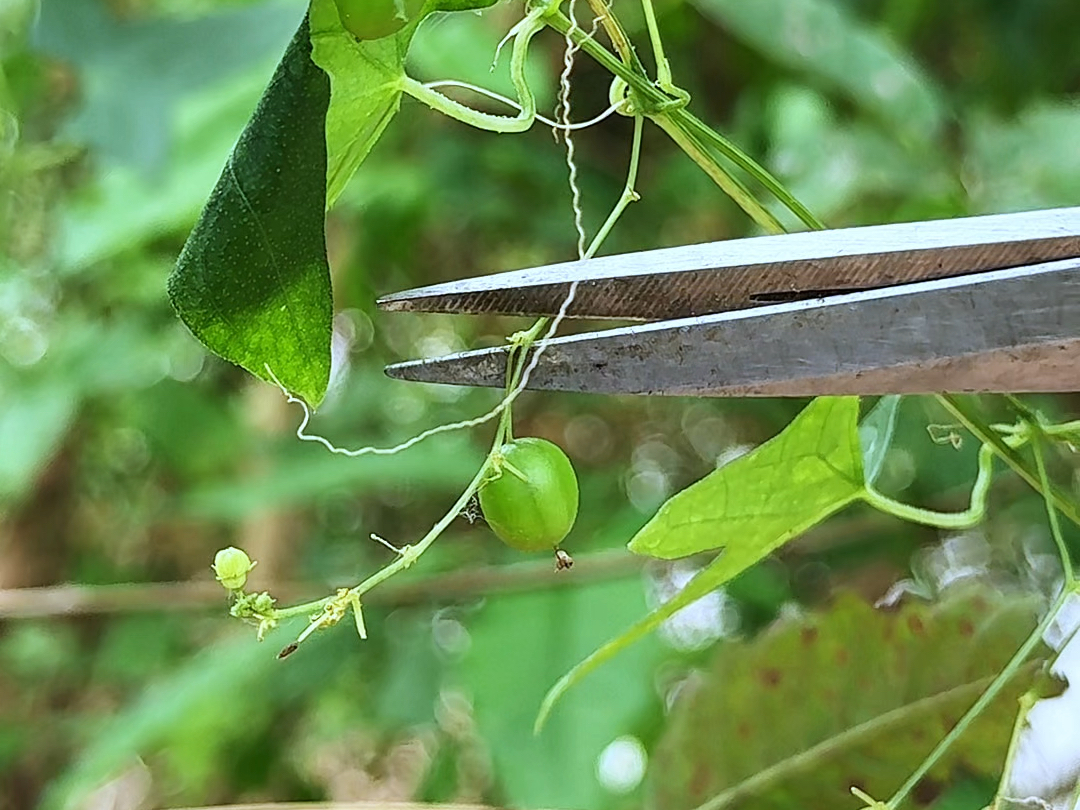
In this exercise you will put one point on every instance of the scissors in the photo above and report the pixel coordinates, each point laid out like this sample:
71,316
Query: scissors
987,303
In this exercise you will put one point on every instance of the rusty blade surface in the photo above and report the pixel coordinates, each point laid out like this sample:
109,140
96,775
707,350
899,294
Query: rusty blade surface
736,274
1015,330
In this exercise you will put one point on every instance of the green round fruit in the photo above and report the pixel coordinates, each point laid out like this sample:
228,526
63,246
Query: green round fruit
375,19
532,505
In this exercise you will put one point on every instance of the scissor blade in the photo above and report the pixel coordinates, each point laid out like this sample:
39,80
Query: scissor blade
740,273
1006,330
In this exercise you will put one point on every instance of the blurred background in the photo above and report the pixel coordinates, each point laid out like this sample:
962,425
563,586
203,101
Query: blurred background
128,456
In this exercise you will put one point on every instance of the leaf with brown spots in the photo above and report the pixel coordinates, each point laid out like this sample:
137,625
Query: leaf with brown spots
854,696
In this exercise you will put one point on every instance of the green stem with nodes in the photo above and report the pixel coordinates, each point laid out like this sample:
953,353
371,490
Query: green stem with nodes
967,519
671,114
628,194
652,100
408,555
517,362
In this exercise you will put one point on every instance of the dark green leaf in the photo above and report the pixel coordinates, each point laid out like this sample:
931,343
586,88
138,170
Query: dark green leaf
252,282
855,696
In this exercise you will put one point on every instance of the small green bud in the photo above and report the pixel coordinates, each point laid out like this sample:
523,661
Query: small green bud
231,567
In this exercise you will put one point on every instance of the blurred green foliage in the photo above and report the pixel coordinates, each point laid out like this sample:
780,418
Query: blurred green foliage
127,455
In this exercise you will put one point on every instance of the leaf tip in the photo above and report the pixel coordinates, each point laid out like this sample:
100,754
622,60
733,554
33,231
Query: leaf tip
550,699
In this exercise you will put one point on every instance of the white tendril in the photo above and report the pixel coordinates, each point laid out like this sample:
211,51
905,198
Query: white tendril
563,116
303,435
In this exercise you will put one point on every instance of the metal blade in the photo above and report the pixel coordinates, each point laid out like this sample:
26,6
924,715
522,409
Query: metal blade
1006,330
740,273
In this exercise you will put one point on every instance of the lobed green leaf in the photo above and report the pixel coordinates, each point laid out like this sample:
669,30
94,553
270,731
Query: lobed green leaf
761,500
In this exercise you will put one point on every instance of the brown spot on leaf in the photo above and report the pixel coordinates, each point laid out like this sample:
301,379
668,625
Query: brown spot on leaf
967,628
842,656
699,782
771,677
915,625
927,792
808,635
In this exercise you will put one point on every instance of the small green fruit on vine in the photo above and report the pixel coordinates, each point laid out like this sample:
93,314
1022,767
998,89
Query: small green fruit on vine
231,567
375,19
532,504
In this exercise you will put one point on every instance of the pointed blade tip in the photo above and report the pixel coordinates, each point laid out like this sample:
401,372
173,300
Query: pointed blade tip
405,370
394,302
432,372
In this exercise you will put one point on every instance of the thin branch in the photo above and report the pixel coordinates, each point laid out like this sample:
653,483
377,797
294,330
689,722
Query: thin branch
82,600
373,805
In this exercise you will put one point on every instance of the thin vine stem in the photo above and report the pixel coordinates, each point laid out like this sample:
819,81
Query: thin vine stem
628,195
658,105
523,32
1055,526
967,519
966,413
407,556
1027,702
520,364
663,67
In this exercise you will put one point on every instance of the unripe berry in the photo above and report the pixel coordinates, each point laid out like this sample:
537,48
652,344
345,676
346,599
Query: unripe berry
231,567
533,503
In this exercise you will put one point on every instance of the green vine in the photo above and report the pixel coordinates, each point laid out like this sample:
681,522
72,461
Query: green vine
661,101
